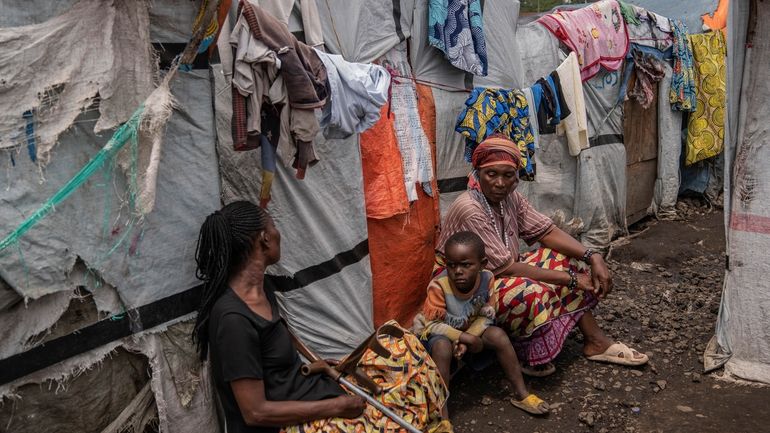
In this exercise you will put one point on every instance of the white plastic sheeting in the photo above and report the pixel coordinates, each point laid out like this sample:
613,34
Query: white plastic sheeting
55,69
669,151
163,246
743,334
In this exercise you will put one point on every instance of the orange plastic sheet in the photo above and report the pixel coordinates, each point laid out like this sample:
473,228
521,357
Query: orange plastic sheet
718,20
401,247
383,173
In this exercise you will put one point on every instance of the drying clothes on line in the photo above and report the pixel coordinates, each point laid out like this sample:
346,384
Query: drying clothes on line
413,142
455,27
301,68
706,127
648,65
682,95
529,94
649,29
504,111
596,33
357,92
574,125
289,81
308,9
551,106
629,13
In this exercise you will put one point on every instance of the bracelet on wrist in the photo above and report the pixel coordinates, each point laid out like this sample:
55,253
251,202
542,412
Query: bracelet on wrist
572,279
587,256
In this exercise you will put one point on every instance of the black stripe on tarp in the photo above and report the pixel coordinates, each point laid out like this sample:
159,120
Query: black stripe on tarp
167,52
153,314
100,333
454,184
397,19
600,140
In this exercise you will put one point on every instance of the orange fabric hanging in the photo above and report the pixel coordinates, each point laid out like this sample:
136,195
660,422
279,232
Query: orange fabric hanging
383,173
401,247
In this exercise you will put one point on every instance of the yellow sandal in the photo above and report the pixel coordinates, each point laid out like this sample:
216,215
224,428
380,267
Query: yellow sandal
531,404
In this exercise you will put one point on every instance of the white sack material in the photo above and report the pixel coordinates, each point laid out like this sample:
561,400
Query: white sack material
57,68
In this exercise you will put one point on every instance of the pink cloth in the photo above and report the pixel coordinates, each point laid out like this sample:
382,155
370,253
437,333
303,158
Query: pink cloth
596,33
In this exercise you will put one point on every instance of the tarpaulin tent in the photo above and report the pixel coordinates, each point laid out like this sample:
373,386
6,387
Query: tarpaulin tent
742,341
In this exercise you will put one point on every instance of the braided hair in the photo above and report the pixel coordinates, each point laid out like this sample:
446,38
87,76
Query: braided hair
225,242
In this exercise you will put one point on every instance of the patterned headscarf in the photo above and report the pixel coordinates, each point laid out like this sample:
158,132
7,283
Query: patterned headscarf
495,150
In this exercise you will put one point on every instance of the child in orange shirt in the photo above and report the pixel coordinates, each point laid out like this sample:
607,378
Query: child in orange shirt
458,317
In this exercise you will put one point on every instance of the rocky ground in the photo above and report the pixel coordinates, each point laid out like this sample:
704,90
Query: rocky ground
668,280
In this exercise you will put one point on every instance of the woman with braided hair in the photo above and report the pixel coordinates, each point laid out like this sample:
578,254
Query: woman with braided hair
255,366
543,294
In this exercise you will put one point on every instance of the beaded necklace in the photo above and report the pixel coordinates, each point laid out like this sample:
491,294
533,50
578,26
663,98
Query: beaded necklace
500,231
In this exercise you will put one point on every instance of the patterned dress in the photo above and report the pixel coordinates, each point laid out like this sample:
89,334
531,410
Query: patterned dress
412,387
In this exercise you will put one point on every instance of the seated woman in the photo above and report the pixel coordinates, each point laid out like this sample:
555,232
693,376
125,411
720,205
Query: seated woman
542,294
255,366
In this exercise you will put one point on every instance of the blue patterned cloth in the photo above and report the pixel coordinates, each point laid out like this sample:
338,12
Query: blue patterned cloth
455,27
498,111
682,94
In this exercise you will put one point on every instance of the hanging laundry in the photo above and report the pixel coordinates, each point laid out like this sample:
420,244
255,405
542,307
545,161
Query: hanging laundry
357,92
629,13
574,125
532,115
596,33
706,127
682,94
504,111
551,106
308,10
647,64
649,29
276,69
456,28
416,155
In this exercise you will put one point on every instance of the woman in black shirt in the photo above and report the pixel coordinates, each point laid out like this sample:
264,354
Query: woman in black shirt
255,367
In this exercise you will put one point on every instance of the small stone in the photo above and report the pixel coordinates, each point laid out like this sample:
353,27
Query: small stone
685,409
599,385
628,389
637,373
716,387
473,421
661,383
603,430
635,410
587,418
486,400
617,385
695,377
700,415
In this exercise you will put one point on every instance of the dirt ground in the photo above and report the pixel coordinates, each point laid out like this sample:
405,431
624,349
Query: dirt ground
668,282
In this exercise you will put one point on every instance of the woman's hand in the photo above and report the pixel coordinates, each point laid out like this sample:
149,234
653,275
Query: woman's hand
584,282
602,280
349,406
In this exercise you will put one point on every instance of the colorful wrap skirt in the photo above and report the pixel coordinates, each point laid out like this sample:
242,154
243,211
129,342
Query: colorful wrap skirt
538,316
412,388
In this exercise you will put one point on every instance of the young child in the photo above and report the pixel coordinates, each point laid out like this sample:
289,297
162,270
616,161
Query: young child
458,317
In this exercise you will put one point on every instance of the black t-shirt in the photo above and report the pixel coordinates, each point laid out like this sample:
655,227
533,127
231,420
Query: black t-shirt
246,345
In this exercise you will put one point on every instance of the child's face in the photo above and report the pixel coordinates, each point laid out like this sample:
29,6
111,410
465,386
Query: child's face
463,266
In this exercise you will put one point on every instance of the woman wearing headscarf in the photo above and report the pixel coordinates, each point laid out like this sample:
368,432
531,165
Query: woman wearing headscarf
255,367
543,294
